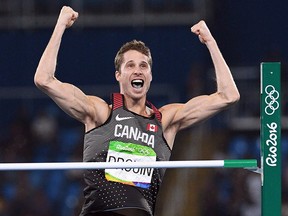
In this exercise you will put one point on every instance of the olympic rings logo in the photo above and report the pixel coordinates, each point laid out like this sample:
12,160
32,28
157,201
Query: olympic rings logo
271,100
143,151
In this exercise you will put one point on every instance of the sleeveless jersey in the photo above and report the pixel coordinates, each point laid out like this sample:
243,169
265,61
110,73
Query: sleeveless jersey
124,137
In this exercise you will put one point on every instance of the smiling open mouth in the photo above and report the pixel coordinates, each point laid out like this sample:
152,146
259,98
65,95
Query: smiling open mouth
137,83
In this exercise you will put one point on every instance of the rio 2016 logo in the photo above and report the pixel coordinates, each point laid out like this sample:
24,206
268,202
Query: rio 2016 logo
272,143
271,100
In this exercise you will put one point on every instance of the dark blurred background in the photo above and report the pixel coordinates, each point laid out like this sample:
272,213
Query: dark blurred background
34,129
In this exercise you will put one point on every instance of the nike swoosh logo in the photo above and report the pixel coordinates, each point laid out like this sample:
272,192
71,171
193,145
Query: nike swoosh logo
118,118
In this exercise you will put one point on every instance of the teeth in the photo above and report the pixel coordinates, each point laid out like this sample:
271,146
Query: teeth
137,80
137,83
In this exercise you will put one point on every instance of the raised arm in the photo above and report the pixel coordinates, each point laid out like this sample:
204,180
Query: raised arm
226,87
92,111
180,116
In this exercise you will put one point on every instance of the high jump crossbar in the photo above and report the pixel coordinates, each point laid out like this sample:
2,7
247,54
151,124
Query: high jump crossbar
250,164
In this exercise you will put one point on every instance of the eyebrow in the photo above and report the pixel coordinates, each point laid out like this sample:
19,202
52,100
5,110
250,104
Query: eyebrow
134,62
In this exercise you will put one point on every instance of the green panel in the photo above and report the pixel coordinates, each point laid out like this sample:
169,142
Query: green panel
249,163
271,138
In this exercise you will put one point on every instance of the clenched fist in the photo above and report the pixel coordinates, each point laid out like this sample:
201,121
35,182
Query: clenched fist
202,31
67,16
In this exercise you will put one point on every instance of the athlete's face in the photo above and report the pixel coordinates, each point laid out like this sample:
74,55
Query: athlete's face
135,74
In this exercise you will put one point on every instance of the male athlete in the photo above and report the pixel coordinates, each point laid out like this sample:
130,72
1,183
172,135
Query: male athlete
130,128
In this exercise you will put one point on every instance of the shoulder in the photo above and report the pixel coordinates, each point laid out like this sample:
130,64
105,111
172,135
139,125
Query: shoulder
96,100
100,110
170,125
169,112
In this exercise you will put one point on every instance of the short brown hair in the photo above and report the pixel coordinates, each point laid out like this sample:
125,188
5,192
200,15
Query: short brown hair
132,45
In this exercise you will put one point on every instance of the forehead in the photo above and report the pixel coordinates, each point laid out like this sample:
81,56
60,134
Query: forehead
134,55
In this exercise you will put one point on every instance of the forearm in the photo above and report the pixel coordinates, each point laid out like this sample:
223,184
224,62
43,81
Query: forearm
47,64
224,78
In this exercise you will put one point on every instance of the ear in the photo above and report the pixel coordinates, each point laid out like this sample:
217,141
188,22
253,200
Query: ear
117,75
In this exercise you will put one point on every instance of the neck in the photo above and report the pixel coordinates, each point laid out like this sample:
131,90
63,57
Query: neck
137,106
